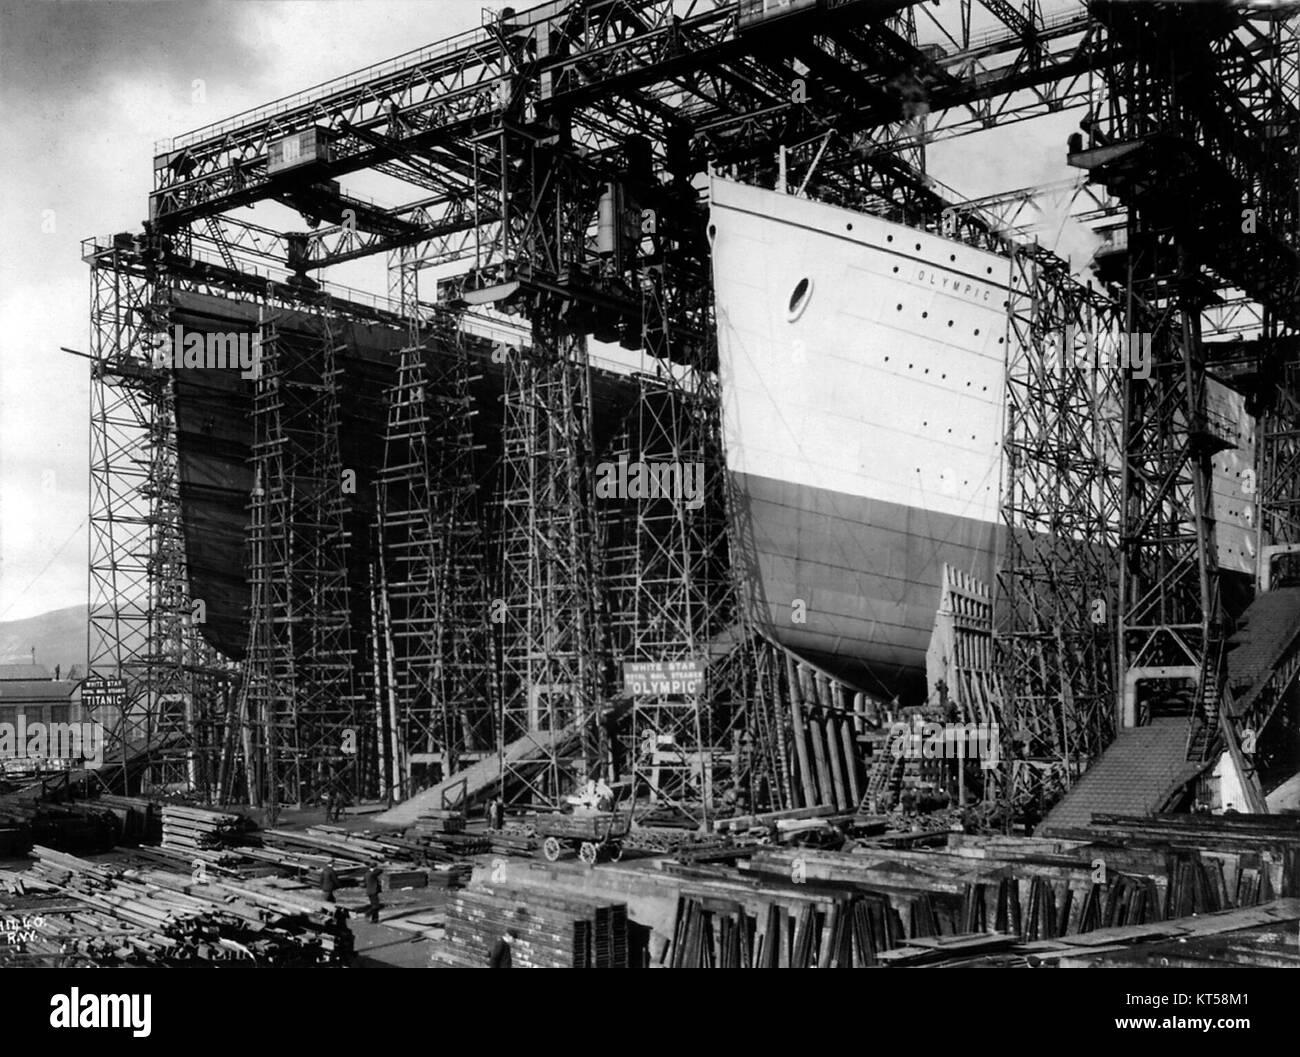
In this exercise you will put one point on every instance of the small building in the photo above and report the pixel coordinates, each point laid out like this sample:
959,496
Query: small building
30,695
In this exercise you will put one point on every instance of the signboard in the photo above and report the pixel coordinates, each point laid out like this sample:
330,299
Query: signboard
100,692
655,678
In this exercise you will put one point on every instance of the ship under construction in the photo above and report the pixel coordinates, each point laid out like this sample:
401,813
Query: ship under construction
701,437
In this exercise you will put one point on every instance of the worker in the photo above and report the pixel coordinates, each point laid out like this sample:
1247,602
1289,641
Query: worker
329,881
496,814
372,893
499,957
340,802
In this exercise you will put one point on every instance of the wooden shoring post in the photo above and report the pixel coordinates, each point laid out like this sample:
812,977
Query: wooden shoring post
810,795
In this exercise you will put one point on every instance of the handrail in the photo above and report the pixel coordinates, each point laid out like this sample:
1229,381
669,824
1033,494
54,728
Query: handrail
318,92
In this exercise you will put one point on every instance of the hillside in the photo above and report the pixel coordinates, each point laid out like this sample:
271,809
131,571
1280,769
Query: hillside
59,637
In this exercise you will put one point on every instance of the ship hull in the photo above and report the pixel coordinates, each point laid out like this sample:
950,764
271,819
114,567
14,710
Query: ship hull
851,582
863,373
862,417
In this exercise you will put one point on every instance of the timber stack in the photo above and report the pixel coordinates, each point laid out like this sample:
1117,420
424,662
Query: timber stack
551,930
192,829
140,819
440,821
27,819
156,917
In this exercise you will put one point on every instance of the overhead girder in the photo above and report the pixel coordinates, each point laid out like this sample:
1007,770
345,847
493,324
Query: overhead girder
639,67
1012,17
1209,98
950,109
631,65
444,227
1017,213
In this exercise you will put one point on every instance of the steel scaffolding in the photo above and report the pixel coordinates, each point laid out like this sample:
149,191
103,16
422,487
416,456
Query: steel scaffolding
305,736
1191,140
1060,509
429,584
680,596
141,626
526,142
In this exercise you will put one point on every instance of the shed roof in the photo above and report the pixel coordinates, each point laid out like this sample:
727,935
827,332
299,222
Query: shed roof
35,691
14,672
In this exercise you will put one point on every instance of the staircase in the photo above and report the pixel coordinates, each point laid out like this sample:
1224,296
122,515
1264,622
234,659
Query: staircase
1204,726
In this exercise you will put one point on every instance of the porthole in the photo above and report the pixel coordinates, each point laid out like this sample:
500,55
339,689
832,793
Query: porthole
799,298
713,232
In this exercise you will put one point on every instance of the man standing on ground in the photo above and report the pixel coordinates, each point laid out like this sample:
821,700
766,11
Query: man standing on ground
372,893
329,881
500,957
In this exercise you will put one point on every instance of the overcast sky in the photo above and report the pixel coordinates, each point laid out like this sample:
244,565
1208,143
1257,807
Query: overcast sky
86,89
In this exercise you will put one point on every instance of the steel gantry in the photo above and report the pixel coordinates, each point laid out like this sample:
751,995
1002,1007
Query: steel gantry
1197,137
143,626
550,154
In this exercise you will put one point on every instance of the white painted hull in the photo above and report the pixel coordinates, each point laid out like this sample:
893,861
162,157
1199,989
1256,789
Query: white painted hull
863,371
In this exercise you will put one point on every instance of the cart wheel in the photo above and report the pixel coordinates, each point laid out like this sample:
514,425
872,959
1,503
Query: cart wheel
551,849
587,853
615,852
